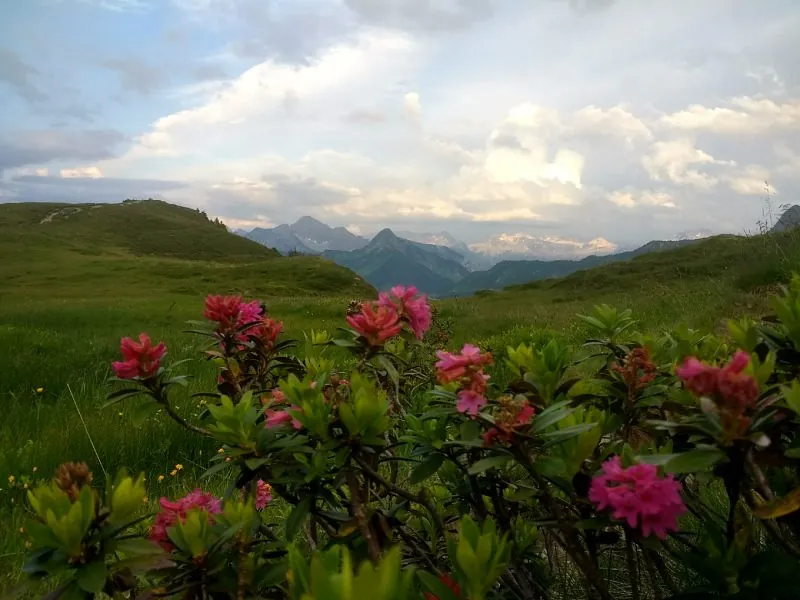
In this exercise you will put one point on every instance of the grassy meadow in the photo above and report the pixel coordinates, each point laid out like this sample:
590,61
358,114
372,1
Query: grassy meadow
73,285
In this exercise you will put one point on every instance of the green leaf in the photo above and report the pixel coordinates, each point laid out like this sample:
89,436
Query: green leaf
297,517
142,411
138,547
426,468
489,463
92,576
121,395
694,461
215,469
550,466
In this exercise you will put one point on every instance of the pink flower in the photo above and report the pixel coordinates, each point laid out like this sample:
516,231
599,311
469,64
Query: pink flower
267,331
172,512
263,494
470,402
249,313
638,496
223,310
231,312
376,323
729,386
278,418
141,359
415,310
524,415
698,378
467,368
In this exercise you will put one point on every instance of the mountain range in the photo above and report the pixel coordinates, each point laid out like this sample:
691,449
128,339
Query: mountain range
441,265
306,236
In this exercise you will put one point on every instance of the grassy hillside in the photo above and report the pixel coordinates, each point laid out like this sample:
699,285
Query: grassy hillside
514,272
72,290
138,246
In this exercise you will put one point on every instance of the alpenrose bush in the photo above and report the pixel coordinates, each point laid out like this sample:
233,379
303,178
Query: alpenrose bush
630,467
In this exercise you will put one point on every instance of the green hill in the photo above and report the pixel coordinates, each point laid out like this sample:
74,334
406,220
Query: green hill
698,285
512,272
71,250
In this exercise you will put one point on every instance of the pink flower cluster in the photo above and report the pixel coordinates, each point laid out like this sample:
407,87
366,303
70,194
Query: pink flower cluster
279,417
728,385
638,496
410,307
263,494
173,512
231,313
512,416
467,369
141,359
380,321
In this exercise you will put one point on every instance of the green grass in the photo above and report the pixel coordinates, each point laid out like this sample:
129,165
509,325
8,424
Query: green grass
71,291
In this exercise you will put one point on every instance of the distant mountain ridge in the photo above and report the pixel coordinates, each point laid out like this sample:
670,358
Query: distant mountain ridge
513,272
441,265
789,219
306,236
390,260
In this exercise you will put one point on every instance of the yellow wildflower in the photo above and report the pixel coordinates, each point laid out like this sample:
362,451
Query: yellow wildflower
179,467
39,390
160,478
11,479
173,472
221,451
35,469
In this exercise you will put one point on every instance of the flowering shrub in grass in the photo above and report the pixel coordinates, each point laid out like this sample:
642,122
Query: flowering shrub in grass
631,467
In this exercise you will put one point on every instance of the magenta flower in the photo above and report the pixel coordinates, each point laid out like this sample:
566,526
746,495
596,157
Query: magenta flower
263,494
141,359
466,368
728,385
278,418
376,323
223,310
172,512
231,312
638,496
267,331
470,402
414,310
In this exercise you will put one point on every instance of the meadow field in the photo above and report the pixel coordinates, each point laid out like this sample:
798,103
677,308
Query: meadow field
69,295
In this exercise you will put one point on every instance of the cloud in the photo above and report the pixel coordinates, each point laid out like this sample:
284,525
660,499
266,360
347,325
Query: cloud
115,5
412,105
292,32
20,76
40,147
748,116
364,116
81,172
674,160
135,75
628,198
422,14
48,188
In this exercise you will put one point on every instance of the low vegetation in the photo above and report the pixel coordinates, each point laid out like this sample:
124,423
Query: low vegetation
83,288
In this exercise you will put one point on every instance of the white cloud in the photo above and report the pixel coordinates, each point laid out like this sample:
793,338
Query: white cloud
81,172
412,105
748,116
627,198
674,160
751,181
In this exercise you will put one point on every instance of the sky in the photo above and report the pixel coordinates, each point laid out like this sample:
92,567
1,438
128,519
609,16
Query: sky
618,120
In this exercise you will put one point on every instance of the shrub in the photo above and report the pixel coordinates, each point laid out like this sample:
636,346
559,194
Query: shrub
595,472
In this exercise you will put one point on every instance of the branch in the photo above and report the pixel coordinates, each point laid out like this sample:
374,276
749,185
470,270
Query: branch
418,499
